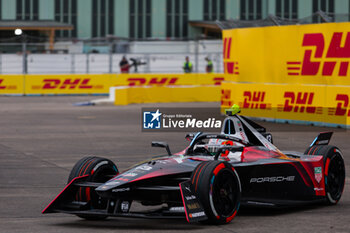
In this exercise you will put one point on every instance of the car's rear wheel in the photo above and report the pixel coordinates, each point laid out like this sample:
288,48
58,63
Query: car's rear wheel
99,170
334,170
217,186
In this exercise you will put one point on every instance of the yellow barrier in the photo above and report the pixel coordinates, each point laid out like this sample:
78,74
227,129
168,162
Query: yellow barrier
166,94
300,54
167,79
11,84
67,84
96,83
301,102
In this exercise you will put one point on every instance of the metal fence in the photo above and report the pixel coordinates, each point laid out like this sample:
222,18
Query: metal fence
157,57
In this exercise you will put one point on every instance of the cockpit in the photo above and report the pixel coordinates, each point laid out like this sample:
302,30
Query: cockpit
237,132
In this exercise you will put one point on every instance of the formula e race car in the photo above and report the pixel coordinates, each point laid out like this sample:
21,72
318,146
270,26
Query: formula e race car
209,180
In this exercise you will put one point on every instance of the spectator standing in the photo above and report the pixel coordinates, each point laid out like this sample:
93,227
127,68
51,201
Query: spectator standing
187,65
209,68
124,65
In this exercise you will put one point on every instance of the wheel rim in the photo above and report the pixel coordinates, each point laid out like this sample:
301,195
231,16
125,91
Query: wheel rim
335,177
224,193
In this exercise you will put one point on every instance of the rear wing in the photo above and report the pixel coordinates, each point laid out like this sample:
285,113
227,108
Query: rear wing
322,139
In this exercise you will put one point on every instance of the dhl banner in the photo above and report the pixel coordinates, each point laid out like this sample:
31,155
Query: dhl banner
97,83
300,54
67,84
167,79
300,102
11,84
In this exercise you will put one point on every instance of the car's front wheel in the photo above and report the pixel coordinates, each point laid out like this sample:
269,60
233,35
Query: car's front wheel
217,186
99,170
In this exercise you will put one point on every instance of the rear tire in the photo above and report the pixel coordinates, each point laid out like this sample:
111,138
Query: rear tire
334,170
217,186
99,170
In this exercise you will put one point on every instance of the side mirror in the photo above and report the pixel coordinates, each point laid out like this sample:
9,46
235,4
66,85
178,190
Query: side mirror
162,144
189,137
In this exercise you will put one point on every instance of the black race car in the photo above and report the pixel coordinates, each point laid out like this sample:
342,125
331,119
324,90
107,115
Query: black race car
209,180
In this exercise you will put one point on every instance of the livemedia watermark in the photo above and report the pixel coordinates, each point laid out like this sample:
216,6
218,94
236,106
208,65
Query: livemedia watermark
181,119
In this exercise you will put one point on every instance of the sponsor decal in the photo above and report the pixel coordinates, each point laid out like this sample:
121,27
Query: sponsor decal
104,187
318,174
230,67
194,205
197,214
2,86
162,81
226,97
342,106
299,102
269,137
122,179
144,168
125,206
218,80
255,100
131,174
120,190
177,209
192,197
178,160
164,161
110,183
272,179
322,142
76,83
321,56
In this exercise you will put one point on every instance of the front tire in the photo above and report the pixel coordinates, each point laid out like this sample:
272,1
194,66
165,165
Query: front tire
217,186
99,170
334,170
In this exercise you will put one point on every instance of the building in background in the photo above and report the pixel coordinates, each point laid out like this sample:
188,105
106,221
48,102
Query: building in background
91,36
156,19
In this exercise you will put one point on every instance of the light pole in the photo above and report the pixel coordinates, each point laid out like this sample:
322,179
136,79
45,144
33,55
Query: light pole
19,32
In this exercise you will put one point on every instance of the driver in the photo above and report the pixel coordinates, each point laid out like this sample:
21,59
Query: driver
213,145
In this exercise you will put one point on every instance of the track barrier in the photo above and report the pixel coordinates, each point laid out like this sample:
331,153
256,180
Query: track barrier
96,83
165,94
293,73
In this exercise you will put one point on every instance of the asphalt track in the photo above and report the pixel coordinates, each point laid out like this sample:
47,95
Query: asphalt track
42,137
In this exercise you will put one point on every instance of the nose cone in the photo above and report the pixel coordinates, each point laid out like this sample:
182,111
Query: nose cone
143,171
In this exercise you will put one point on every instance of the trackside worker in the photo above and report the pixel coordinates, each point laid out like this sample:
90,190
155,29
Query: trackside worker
209,68
124,65
187,65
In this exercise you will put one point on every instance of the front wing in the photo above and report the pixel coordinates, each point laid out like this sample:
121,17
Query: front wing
64,203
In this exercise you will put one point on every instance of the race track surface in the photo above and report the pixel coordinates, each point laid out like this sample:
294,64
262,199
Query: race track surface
42,137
